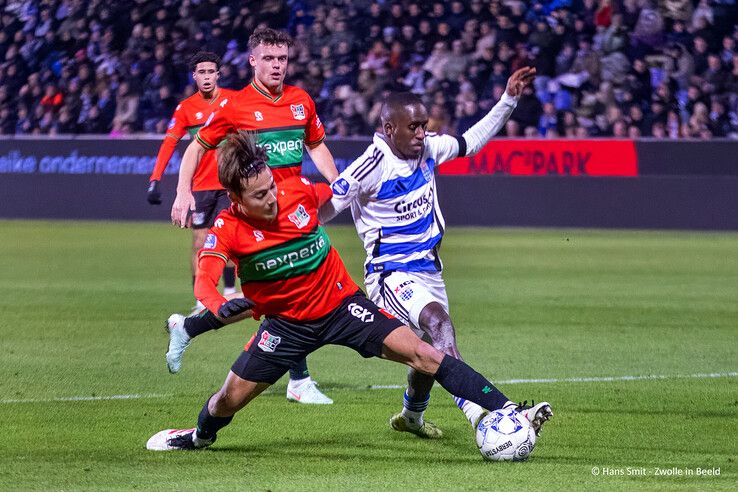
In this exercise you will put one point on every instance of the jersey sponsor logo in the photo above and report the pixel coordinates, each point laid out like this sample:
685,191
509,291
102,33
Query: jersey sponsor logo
219,223
404,291
268,342
259,236
300,217
283,146
415,208
298,111
340,187
178,106
299,256
210,241
224,102
305,181
258,116
427,168
198,115
360,312
172,122
318,123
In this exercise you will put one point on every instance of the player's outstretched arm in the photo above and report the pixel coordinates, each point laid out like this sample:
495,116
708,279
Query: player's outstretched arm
184,202
209,270
323,159
490,125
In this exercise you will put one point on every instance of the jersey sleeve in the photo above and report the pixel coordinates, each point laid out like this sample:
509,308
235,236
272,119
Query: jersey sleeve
218,125
443,148
175,131
217,242
363,177
314,130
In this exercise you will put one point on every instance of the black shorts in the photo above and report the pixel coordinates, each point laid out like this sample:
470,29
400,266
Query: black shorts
208,204
357,323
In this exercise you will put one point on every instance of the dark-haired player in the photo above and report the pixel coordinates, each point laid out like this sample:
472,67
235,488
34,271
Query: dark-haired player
286,124
391,190
188,117
307,301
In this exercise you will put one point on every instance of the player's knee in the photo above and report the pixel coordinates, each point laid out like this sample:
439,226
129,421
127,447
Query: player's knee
435,321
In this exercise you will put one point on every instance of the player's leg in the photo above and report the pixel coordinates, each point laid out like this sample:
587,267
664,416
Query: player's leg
216,413
267,357
400,294
183,329
454,375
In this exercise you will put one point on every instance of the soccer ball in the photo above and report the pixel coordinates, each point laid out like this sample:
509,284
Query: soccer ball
505,435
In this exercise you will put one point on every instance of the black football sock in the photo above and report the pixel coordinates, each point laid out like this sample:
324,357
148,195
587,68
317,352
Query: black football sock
200,323
299,370
208,425
229,277
460,380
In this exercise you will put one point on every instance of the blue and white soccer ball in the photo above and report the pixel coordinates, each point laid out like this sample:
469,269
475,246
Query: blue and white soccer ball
505,435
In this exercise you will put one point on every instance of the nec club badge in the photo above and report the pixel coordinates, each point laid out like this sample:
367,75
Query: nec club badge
299,217
268,342
298,111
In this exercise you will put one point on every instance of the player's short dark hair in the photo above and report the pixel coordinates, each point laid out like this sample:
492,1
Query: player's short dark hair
240,158
269,37
202,57
396,102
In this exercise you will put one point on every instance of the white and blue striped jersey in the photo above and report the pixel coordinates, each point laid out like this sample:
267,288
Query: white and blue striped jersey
394,204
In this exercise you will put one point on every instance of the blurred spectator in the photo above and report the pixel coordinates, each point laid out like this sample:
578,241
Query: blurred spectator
670,67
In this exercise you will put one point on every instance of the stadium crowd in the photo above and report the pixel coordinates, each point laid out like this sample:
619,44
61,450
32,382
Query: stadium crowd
606,68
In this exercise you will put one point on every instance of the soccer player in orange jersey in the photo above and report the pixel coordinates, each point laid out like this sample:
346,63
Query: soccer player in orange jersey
286,123
188,117
307,301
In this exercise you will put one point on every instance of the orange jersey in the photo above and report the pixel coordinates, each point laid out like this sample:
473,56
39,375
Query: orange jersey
189,116
284,125
287,267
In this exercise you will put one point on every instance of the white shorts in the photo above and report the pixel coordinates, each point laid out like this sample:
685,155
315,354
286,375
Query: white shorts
405,294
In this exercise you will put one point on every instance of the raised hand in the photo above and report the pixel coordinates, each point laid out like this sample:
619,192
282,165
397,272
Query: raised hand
518,80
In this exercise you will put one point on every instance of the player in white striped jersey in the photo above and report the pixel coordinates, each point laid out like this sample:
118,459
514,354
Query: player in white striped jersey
391,190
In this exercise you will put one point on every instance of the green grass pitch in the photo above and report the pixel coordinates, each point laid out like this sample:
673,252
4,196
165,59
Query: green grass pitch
82,306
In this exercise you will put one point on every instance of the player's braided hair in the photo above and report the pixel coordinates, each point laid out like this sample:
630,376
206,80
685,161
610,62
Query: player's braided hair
202,57
269,37
239,159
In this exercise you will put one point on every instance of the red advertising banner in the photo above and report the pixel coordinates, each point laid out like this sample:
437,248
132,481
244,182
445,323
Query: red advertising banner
550,157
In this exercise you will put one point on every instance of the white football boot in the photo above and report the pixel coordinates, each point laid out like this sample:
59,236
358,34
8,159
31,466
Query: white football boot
177,439
306,391
179,340
537,415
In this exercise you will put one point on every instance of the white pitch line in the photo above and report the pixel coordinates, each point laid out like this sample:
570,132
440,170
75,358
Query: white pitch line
604,379
84,398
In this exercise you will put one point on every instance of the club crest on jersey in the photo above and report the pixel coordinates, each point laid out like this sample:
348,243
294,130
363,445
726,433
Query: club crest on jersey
198,115
427,168
298,111
268,342
210,241
299,217
258,116
259,236
340,187
172,122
